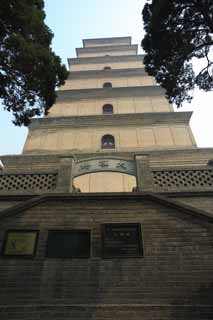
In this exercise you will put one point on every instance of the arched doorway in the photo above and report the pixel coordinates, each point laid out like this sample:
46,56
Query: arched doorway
105,182
104,175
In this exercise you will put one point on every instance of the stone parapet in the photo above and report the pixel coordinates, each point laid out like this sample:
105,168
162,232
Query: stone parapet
26,175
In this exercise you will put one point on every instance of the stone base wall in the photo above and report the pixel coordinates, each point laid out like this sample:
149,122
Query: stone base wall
172,280
104,312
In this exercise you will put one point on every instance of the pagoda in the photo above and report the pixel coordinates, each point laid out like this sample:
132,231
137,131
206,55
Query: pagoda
107,213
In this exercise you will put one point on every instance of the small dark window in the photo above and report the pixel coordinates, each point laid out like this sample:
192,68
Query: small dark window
122,240
210,162
108,142
68,244
107,68
107,85
107,109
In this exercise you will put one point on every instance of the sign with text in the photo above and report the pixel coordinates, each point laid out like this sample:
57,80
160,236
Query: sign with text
104,164
20,243
122,240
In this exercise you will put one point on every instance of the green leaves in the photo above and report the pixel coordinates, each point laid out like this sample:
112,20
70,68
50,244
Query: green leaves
176,32
29,69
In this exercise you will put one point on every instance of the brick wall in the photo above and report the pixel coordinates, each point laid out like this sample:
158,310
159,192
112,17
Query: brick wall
173,280
201,202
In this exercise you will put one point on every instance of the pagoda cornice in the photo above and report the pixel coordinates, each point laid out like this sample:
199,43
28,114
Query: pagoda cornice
105,59
106,40
107,73
158,157
115,120
80,94
109,48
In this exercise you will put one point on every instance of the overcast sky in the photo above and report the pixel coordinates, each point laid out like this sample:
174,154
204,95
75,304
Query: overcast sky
74,20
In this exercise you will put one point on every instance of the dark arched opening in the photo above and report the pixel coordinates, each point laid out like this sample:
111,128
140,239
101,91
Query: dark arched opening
108,109
108,142
107,85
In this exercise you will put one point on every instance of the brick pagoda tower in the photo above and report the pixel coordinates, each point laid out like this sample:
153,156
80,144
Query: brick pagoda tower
107,214
109,107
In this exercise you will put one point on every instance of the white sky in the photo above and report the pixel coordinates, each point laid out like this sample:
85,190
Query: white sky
71,21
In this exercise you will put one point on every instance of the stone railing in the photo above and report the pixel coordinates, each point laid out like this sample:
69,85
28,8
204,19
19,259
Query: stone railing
149,178
29,182
182,179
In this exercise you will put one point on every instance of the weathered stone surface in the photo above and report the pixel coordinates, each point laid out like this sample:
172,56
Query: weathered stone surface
115,50
97,42
174,272
172,201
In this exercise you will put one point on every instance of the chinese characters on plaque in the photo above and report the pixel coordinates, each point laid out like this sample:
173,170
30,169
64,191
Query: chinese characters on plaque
96,165
122,240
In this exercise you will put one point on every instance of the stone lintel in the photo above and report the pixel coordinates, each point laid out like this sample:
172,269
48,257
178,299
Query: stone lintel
134,119
105,59
96,93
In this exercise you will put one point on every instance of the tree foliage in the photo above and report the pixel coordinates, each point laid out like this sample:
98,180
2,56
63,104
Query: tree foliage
176,32
29,69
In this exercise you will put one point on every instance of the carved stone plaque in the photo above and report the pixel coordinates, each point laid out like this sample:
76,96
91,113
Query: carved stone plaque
122,240
104,164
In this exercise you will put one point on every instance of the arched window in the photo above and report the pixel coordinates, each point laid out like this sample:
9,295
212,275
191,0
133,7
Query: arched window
210,162
107,85
108,142
107,109
107,68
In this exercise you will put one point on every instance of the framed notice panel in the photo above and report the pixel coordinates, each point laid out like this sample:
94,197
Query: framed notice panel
122,240
20,243
68,244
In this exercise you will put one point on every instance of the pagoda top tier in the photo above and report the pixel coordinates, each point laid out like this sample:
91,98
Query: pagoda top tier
107,50
118,46
115,41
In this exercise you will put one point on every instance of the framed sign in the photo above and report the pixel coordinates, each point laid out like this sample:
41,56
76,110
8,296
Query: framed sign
68,244
20,243
122,240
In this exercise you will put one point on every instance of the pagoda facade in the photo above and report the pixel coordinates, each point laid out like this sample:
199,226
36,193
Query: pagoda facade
109,107
107,213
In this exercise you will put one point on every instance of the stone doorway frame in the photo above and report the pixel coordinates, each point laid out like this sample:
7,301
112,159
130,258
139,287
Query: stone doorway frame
71,169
